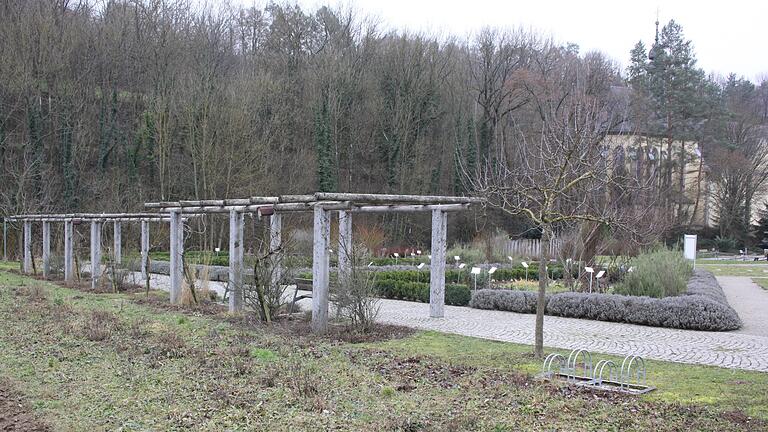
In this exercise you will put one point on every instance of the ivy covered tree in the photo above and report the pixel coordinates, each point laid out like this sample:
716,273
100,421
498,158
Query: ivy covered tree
326,173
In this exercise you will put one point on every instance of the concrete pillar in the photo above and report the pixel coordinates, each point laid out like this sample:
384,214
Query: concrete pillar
46,249
345,246
322,234
95,253
177,250
117,239
27,247
275,243
437,266
236,225
144,249
69,261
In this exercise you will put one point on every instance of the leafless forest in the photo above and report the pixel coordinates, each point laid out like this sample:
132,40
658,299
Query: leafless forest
108,104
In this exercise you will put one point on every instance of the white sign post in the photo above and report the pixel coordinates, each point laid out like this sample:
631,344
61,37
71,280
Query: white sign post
525,264
591,271
689,248
600,274
458,274
491,271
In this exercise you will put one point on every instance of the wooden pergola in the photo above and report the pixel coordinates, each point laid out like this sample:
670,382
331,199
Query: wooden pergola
321,204
96,221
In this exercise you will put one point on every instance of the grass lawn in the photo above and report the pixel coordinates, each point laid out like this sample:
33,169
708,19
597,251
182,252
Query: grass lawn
734,268
763,282
114,362
731,261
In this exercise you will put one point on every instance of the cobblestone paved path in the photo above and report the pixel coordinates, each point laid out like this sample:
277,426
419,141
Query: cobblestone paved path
743,349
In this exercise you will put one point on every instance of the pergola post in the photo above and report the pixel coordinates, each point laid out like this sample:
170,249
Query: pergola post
275,243
69,273
177,250
46,249
95,253
322,233
144,249
437,266
236,224
27,247
345,246
118,242
5,240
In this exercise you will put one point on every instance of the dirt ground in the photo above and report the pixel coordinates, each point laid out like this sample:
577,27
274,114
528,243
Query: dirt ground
15,414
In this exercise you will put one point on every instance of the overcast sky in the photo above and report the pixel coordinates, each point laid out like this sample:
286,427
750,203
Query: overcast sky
730,36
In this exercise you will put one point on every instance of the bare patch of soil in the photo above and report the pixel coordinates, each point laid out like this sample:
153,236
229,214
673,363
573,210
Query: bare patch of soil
15,414
203,308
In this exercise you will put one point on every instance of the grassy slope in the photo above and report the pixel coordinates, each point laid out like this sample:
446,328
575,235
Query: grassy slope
171,371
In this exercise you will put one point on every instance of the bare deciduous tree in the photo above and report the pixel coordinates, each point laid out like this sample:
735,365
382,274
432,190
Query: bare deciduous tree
560,173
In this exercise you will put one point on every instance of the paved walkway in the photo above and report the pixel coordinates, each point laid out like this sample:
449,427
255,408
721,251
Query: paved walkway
743,349
750,301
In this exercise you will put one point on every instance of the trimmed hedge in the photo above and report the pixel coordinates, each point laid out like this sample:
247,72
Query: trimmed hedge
505,300
702,307
455,295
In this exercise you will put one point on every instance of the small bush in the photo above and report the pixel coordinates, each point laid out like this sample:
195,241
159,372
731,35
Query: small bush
468,254
662,273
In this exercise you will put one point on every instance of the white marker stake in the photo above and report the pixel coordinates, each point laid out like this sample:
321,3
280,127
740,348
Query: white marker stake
476,271
525,264
420,266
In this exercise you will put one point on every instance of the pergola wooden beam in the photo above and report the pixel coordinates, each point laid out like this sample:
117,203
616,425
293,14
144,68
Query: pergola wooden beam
394,199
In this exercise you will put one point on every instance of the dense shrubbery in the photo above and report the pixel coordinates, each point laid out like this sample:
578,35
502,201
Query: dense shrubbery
702,307
455,295
504,274
661,273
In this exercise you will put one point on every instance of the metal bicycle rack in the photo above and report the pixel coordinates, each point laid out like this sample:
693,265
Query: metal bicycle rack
605,375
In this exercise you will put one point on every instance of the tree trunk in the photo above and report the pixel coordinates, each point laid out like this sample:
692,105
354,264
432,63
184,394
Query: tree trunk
546,238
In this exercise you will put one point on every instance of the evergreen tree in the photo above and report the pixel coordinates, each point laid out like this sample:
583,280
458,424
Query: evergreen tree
761,229
671,99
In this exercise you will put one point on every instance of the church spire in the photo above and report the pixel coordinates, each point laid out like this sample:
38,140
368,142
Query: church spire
652,51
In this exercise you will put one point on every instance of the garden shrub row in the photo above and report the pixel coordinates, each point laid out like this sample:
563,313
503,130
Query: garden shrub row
455,295
702,307
464,276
